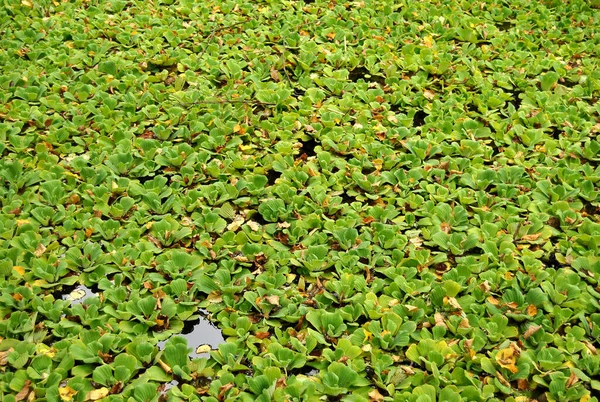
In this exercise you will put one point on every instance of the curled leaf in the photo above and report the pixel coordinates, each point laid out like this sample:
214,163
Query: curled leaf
506,359
22,394
531,237
531,330
439,320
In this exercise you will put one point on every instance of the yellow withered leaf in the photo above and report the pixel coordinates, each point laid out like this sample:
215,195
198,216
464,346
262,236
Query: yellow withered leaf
66,393
506,359
77,294
428,41
96,394
19,270
203,349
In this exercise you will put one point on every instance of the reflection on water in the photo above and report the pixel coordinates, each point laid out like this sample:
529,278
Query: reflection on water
201,334
78,294
170,385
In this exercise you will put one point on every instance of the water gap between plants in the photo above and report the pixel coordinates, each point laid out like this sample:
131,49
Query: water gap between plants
78,294
199,332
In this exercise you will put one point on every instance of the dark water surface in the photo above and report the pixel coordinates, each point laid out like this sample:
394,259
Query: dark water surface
199,332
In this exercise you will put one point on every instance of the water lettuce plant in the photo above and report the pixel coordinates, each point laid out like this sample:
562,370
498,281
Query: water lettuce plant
371,200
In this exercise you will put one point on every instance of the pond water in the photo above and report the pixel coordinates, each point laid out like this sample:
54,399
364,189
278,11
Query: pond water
78,294
170,385
199,332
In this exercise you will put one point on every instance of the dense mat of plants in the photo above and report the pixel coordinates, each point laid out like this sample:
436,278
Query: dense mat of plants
373,200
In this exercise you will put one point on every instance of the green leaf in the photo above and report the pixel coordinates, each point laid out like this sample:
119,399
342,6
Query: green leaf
548,80
108,67
144,392
488,366
103,375
147,305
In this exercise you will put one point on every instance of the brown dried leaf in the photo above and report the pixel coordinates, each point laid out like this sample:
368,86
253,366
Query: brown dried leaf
439,320
22,394
155,241
274,300
531,330
4,356
223,389
375,396
464,323
408,370
591,347
275,74
445,227
531,237
40,250
572,380
532,310
502,379
453,302
115,389
106,357
281,383
74,198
